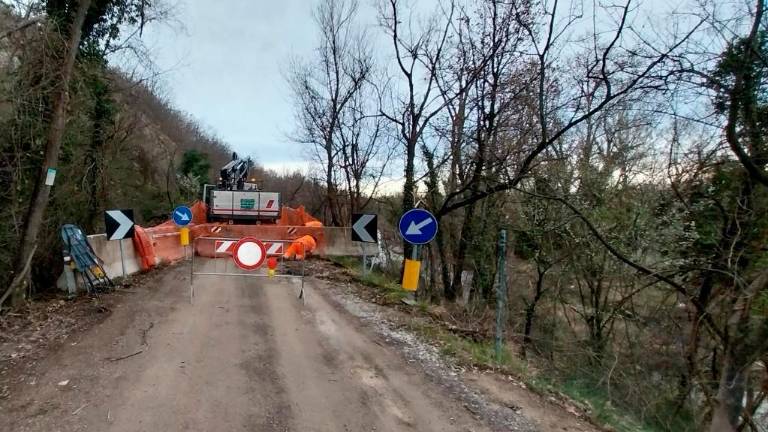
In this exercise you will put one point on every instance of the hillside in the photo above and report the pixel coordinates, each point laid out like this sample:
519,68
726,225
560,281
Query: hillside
122,147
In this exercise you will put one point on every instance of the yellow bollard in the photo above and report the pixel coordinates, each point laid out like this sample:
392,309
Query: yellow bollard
411,275
270,273
184,236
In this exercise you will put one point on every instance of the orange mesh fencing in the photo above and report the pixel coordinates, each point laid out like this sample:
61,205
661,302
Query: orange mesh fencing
295,217
161,244
199,212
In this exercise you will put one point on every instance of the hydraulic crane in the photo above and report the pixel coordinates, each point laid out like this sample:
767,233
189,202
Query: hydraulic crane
234,175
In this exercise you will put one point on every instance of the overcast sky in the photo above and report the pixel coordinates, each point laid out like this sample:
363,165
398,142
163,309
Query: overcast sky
225,67
224,64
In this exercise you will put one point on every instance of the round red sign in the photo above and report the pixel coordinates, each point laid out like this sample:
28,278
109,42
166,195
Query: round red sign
249,253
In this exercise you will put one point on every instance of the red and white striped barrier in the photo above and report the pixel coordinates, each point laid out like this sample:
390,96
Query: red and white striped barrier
225,247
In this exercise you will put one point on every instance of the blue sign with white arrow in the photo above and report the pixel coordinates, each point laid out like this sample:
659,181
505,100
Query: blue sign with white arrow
182,216
418,226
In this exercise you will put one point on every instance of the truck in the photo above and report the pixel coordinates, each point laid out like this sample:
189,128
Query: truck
236,201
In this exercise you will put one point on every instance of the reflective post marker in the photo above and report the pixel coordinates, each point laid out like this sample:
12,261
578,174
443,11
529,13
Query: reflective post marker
411,275
184,236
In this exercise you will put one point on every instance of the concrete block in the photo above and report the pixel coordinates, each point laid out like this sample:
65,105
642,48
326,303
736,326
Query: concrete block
109,252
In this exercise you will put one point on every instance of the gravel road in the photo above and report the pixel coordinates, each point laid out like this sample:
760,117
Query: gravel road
246,356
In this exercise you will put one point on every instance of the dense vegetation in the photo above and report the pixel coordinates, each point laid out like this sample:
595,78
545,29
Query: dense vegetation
123,146
624,148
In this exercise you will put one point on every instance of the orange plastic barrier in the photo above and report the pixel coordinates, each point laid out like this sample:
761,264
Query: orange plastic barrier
161,243
144,248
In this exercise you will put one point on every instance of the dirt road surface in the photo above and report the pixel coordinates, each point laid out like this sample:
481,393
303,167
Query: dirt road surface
246,356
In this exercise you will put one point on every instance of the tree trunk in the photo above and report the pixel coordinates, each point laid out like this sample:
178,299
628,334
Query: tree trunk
41,193
461,250
409,188
330,186
725,417
530,314
448,292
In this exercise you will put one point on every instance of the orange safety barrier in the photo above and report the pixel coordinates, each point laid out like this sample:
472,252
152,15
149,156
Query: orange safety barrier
161,243
300,247
144,248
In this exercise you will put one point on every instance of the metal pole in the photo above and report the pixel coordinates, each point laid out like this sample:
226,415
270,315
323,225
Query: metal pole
364,259
192,271
122,257
301,293
501,295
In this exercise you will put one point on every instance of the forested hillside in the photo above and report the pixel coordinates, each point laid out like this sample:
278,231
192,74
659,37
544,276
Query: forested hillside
122,147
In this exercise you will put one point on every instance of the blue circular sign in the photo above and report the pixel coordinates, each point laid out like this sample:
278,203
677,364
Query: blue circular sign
182,216
418,226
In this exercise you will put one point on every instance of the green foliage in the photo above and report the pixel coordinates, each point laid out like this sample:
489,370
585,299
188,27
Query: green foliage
108,158
739,60
196,165
604,411
103,22
524,244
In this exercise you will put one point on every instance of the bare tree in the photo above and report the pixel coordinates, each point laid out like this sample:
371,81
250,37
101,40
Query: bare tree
324,89
414,99
619,65
364,149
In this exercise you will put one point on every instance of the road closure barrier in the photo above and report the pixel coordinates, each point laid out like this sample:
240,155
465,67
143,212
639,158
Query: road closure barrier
302,234
248,257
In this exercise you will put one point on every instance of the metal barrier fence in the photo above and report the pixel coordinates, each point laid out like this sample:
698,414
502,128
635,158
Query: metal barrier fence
220,249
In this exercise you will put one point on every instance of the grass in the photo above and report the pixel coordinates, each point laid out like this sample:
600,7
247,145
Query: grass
389,289
480,354
584,391
603,411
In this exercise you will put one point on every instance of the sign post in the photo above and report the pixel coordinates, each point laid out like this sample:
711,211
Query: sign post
182,216
122,256
119,225
364,229
417,227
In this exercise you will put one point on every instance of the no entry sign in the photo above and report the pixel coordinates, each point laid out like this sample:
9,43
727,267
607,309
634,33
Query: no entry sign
249,253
